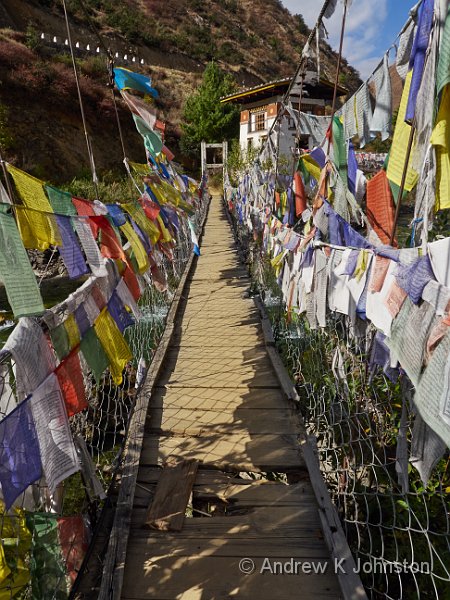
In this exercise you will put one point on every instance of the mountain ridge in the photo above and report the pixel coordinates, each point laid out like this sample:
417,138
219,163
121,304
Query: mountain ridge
255,40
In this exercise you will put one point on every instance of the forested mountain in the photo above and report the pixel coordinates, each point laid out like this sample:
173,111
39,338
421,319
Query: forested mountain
40,127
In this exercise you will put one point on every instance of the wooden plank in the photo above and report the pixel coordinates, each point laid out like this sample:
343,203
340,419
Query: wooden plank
197,578
243,452
221,377
231,339
168,507
260,521
173,545
246,355
255,494
148,475
186,421
222,399
205,362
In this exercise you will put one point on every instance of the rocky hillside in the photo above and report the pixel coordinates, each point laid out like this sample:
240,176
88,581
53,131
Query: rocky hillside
255,40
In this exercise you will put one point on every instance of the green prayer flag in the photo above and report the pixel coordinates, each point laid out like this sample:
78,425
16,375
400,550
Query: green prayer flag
60,341
94,354
303,170
340,150
443,70
152,141
15,270
48,573
60,201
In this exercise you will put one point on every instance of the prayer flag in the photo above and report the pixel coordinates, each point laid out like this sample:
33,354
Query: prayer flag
36,222
15,271
58,454
74,540
119,313
380,206
60,201
114,345
152,140
47,566
138,249
440,138
70,250
129,80
20,463
71,382
73,333
300,194
94,354
397,157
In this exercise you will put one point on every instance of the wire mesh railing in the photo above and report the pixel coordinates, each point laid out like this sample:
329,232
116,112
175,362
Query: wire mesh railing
362,416
45,536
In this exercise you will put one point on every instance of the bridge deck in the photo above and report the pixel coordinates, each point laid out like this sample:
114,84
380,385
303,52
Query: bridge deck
218,400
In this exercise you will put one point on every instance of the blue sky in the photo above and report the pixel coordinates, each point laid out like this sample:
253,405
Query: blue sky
372,27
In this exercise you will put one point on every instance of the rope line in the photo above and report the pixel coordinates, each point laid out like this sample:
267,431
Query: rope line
80,101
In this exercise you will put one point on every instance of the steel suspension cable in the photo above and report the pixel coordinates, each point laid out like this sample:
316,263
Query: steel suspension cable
80,101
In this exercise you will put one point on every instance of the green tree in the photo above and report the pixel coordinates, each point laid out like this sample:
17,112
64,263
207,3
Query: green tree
205,118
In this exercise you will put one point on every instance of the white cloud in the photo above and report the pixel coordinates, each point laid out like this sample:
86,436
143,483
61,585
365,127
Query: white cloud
364,23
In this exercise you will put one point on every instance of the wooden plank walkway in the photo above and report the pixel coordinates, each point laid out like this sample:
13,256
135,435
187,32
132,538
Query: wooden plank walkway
219,401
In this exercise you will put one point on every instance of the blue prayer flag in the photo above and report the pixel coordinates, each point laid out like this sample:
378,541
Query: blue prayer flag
70,250
352,168
20,459
119,313
129,80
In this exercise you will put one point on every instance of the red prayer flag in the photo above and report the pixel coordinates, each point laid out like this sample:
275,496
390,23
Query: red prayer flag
380,206
300,194
130,279
71,382
151,209
110,246
74,540
85,209
169,154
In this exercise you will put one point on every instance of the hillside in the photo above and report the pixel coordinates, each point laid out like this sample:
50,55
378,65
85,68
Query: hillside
255,40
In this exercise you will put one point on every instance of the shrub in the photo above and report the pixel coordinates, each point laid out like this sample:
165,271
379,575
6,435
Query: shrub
6,138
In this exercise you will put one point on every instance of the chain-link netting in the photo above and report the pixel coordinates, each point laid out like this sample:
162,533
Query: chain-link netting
362,421
45,536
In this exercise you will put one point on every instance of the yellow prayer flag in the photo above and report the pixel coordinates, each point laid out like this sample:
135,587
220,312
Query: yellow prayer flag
361,265
277,262
140,168
4,569
441,139
114,345
397,157
37,225
311,166
283,198
166,237
167,193
15,536
136,245
73,333
137,213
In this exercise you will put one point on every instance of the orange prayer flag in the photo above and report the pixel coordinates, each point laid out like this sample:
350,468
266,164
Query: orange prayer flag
300,194
380,206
